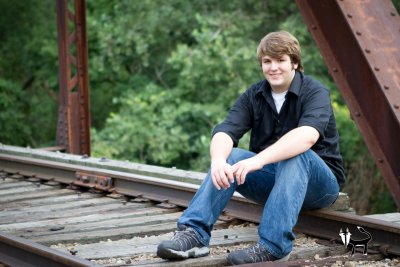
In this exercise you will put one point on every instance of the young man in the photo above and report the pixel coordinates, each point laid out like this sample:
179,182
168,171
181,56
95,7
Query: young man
294,161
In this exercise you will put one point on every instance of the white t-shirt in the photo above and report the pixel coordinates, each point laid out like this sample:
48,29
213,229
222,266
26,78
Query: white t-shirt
279,98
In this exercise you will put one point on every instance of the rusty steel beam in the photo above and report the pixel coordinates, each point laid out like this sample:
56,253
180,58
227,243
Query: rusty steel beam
73,128
360,42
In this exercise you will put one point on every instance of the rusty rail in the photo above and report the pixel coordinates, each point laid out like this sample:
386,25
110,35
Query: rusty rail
360,43
15,251
320,223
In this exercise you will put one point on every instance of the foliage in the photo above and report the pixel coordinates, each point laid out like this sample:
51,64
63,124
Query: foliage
396,3
28,72
12,102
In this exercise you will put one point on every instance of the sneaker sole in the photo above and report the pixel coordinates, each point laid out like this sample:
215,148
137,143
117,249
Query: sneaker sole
286,258
170,254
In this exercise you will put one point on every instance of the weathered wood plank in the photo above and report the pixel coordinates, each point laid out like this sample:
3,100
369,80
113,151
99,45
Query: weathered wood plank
108,208
209,261
112,234
100,227
46,200
6,179
35,195
139,210
13,184
78,204
148,244
304,254
26,189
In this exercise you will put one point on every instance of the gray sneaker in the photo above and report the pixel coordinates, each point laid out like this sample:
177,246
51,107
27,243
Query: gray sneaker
253,254
184,244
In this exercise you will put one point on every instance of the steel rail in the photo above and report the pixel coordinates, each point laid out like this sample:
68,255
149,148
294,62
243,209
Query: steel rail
15,251
321,223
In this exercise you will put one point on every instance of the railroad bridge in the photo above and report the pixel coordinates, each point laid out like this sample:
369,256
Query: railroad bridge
359,41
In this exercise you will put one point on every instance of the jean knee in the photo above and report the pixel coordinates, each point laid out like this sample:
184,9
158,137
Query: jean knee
299,160
323,202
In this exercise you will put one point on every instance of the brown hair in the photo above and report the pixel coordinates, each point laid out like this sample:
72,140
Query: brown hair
277,44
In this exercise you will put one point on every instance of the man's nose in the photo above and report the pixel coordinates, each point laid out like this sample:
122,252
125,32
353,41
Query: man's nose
274,65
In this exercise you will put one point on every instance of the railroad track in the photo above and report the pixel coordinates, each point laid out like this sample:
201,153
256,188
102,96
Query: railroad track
92,212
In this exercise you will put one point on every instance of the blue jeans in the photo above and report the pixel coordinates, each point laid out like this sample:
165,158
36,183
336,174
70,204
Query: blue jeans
283,188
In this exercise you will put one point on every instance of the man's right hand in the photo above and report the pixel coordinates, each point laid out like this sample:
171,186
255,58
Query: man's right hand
221,174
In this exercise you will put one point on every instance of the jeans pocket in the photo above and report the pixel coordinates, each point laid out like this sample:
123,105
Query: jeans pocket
323,202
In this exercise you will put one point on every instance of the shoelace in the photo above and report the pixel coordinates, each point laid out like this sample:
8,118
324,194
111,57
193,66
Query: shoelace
258,253
186,239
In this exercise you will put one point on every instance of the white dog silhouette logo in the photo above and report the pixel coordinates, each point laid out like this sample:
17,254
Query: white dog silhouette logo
351,243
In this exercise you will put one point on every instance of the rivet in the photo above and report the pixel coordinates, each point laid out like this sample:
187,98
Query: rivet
380,160
386,87
335,70
367,51
396,106
358,33
313,27
376,68
349,16
357,114
393,13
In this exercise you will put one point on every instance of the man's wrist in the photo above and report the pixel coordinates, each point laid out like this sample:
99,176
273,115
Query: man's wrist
259,159
218,160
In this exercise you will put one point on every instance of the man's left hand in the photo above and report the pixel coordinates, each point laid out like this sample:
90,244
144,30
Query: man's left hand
243,167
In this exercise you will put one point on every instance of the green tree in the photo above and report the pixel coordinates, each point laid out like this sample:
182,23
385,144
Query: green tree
28,72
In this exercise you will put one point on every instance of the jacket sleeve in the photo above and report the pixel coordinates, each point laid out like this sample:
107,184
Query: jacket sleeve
317,110
239,119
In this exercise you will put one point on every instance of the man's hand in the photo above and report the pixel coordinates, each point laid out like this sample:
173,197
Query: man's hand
243,167
221,174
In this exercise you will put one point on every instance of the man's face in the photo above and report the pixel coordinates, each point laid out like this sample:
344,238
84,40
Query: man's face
279,72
